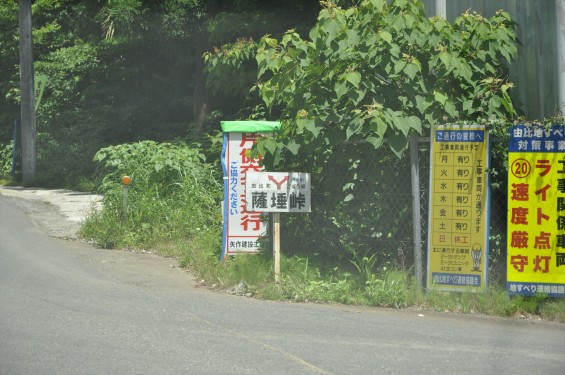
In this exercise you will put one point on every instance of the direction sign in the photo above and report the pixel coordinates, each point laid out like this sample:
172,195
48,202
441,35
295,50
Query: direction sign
278,192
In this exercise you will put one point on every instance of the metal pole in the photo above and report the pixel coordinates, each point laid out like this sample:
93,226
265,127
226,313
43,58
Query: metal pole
126,180
540,71
560,41
125,191
28,120
416,219
441,8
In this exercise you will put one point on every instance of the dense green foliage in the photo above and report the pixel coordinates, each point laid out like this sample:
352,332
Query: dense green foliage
381,70
116,73
174,195
126,70
365,74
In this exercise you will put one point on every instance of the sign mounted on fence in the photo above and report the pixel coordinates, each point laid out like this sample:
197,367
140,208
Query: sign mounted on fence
536,211
278,192
458,212
243,228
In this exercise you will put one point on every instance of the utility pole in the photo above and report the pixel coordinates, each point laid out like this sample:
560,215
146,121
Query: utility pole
440,8
27,97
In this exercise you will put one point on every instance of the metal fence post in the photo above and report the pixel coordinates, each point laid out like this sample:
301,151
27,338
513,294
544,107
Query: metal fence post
560,46
416,219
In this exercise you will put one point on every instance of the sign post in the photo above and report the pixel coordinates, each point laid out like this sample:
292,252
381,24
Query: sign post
243,228
458,214
536,211
277,245
126,181
278,192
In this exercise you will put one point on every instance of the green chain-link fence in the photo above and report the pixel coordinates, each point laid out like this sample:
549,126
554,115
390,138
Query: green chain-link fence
362,205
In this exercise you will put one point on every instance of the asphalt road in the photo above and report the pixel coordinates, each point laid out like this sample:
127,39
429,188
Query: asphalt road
67,308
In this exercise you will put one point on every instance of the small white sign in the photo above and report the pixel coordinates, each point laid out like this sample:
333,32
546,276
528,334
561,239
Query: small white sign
278,192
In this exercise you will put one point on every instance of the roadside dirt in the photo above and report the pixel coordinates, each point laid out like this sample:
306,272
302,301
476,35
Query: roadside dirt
57,212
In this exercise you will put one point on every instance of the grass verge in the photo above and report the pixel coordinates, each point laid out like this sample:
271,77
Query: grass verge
174,210
303,281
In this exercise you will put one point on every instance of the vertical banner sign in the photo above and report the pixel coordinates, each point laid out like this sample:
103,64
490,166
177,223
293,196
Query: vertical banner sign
242,228
278,192
459,204
536,211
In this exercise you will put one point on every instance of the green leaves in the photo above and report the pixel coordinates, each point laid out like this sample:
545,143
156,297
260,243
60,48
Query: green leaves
331,27
149,163
383,70
229,68
411,69
405,124
309,125
270,145
354,78
440,97
378,4
386,36
398,143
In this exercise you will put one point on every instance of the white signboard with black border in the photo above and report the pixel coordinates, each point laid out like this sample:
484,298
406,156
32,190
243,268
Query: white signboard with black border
278,192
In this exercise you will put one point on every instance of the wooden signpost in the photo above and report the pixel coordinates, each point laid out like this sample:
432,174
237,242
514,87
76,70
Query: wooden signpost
277,192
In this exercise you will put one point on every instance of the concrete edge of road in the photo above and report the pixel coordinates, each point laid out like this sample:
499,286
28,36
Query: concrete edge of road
73,206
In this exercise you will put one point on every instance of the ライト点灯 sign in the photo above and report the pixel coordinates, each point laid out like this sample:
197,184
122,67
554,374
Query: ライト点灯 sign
536,210
278,192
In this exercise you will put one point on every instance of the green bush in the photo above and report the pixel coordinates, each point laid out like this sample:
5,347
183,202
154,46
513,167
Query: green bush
174,195
6,160
394,289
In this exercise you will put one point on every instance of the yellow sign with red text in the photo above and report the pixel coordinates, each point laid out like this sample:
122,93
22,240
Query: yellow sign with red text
536,211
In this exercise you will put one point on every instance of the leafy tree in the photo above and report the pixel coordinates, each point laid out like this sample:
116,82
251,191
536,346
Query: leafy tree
127,70
368,73
9,60
231,35
383,70
118,71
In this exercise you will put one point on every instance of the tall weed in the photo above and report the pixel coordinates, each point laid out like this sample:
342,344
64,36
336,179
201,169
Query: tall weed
174,195
393,289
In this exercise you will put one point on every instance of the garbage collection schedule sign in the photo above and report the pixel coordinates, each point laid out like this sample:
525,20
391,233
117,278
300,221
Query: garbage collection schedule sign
458,214
536,210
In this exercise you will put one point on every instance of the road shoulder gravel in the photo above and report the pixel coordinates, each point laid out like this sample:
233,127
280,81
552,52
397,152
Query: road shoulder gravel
58,212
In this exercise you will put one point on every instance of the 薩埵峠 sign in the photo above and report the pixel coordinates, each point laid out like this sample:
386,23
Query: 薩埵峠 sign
536,210
278,192
243,228
458,214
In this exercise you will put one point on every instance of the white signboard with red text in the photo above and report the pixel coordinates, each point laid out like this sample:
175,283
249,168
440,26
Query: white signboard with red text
243,228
